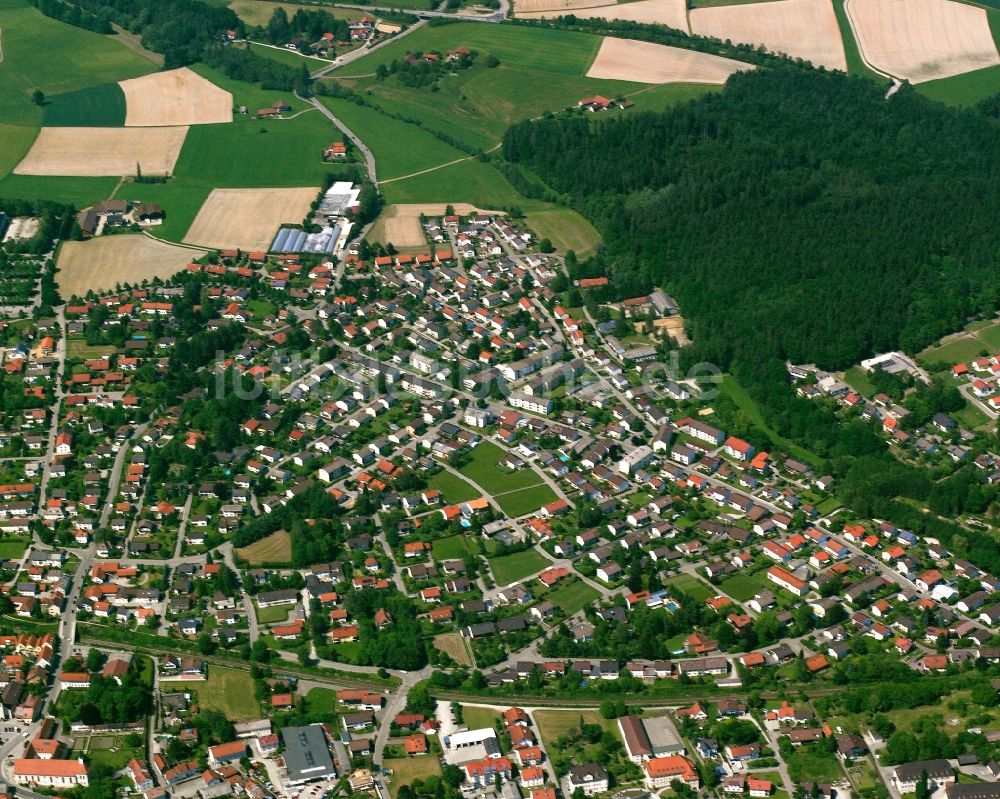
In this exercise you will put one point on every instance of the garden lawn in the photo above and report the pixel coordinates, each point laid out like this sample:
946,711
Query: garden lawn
476,718
12,548
741,587
692,586
553,724
322,700
509,569
454,488
484,470
525,500
406,770
229,691
572,597
273,614
449,548
808,763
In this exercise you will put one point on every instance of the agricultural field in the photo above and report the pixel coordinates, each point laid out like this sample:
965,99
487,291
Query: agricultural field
645,62
175,97
672,13
95,106
804,29
509,569
247,218
572,597
453,644
96,152
275,548
478,104
923,40
101,263
229,691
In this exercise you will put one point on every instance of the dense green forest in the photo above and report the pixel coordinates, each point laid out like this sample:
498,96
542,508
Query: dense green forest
798,214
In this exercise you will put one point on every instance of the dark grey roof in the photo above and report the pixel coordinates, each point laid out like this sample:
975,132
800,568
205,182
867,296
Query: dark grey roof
307,756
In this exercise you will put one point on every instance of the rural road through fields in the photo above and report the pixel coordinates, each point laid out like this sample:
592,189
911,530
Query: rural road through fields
369,158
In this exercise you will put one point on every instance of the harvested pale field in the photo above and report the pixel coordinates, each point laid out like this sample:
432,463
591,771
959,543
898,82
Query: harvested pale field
247,218
527,7
400,223
804,29
101,263
645,62
922,40
672,13
176,97
98,152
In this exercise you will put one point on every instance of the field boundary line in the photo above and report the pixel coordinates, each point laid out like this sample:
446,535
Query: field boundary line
494,148
175,243
861,50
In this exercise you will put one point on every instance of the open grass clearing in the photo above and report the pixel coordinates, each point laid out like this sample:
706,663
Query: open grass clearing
525,500
808,763
103,262
322,700
566,229
275,548
453,645
466,181
960,348
229,691
247,218
509,569
406,770
572,597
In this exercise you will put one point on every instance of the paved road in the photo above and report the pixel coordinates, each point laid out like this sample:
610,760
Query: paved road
369,158
60,353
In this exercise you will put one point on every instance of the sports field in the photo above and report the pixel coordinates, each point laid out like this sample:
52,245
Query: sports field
229,691
94,152
275,548
509,569
101,263
247,218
